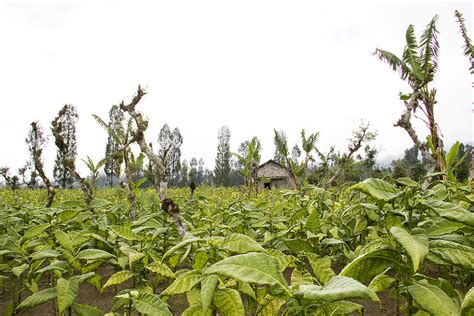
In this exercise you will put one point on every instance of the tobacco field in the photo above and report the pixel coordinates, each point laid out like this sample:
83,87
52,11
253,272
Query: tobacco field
290,252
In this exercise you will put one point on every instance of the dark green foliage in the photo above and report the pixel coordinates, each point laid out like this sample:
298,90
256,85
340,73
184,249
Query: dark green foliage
66,121
113,162
222,168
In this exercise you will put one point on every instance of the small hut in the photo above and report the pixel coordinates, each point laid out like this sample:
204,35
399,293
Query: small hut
272,175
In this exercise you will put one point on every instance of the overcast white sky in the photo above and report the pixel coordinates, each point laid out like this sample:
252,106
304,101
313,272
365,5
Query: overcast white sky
251,65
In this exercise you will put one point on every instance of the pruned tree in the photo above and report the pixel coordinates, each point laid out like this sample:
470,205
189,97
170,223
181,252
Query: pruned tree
65,132
13,182
112,163
63,128
222,167
139,137
278,155
36,141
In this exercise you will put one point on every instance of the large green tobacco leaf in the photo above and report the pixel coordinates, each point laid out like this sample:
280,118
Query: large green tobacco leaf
67,292
150,304
454,253
44,254
301,277
252,267
365,267
183,283
228,301
321,267
195,310
377,189
451,211
124,232
298,245
381,282
161,269
34,231
64,240
86,310
270,305
94,254
181,245
241,244
338,308
38,298
432,299
442,227
208,287
117,278
17,271
338,289
415,246
467,306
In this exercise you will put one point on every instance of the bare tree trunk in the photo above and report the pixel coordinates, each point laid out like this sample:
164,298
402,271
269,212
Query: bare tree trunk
172,209
142,125
405,123
71,165
127,185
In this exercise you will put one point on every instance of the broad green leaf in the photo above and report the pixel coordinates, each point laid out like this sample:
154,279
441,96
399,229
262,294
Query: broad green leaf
270,305
200,259
34,231
67,292
321,267
183,283
194,297
381,282
195,310
338,289
451,211
94,254
454,253
57,265
415,246
377,189
228,301
339,308
452,155
64,240
38,298
298,245
181,245
301,278
365,267
312,223
208,287
467,305
432,299
161,269
17,271
117,278
124,232
86,310
44,254
408,182
150,304
442,227
253,267
241,244
66,215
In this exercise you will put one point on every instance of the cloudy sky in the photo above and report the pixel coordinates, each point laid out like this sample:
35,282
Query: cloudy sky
251,65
